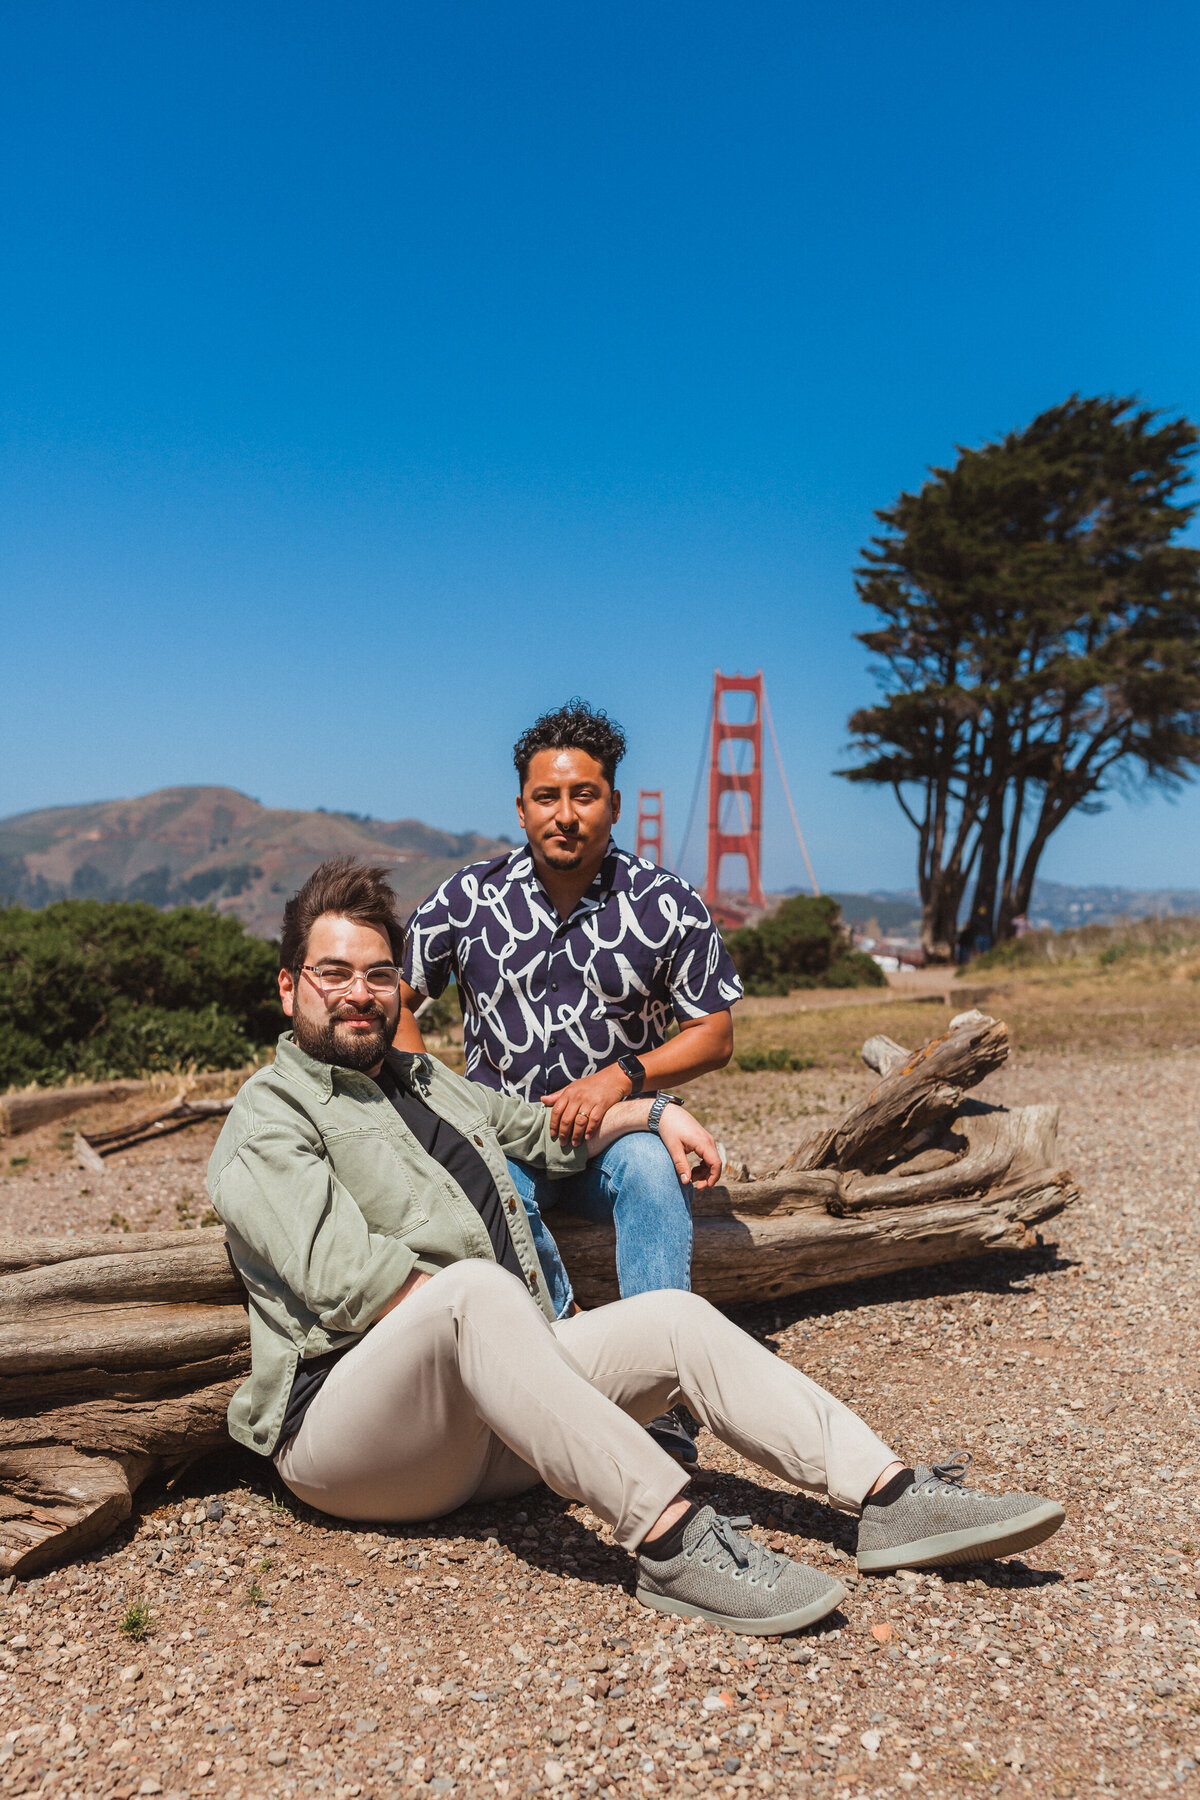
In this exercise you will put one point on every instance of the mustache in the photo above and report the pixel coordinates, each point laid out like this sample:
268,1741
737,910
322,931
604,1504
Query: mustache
350,1009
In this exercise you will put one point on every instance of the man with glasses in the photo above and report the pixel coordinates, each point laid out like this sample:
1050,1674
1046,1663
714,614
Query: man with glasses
405,1358
586,977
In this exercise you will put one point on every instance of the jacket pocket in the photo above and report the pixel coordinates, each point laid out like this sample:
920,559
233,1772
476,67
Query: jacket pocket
371,1169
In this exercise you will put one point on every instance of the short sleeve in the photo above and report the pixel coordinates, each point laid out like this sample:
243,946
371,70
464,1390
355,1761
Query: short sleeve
429,953
702,978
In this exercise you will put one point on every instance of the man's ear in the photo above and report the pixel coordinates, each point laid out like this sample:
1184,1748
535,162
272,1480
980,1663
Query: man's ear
616,804
287,991
521,810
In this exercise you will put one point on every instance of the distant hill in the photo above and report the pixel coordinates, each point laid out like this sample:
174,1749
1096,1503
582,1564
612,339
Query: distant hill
213,846
1056,906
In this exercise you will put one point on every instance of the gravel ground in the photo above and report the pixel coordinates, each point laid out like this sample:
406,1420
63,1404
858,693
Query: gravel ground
499,1652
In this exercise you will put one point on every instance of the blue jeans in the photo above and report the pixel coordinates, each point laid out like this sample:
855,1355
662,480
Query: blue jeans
632,1186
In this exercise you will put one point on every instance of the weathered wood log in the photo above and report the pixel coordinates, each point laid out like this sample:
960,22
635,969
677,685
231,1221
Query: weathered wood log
913,1096
118,1355
92,1146
41,1106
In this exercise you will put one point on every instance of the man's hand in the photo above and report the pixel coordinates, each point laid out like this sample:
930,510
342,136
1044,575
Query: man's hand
579,1108
417,1279
681,1134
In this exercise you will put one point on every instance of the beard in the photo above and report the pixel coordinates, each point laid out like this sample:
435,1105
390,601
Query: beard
563,860
331,1042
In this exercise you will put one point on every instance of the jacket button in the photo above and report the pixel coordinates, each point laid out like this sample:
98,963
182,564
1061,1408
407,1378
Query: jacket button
476,1139
512,1206
533,1281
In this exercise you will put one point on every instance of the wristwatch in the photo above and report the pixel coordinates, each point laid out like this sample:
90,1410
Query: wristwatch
658,1107
635,1070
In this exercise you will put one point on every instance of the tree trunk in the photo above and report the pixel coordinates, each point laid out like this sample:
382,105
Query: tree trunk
118,1356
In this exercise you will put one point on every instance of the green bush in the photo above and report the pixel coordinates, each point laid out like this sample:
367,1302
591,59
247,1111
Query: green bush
804,943
106,988
773,1062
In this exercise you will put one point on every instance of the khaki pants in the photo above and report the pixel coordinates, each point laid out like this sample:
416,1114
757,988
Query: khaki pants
467,1393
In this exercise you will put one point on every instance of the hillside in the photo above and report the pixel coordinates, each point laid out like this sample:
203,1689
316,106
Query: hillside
212,846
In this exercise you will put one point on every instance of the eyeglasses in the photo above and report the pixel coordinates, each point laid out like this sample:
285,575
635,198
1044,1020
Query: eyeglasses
333,978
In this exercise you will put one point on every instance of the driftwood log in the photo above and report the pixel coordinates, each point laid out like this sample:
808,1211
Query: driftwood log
91,1147
118,1355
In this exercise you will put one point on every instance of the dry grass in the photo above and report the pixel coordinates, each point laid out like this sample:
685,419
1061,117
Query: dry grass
1142,1001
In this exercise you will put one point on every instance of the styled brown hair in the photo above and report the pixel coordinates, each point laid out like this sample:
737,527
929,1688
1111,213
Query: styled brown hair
351,890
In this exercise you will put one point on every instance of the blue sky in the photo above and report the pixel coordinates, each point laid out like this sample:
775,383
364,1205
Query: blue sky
375,376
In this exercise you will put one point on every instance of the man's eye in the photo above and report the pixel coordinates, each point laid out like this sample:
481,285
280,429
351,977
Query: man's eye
334,972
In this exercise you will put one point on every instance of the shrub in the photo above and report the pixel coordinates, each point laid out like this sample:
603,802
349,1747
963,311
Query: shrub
1176,934
100,989
773,1062
802,944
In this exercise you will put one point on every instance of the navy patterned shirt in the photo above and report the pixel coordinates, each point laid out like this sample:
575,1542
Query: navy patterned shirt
546,1000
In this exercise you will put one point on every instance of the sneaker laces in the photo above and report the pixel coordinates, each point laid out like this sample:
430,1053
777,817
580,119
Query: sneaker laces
747,1559
948,1476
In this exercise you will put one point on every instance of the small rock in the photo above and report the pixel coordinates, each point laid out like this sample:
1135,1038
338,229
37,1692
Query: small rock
277,1758
311,1658
150,1786
870,1741
429,1696
625,1724
732,1764
131,1672
883,1634
215,1509
365,1725
554,1773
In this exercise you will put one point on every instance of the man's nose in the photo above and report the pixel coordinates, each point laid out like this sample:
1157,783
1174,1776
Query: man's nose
360,981
566,816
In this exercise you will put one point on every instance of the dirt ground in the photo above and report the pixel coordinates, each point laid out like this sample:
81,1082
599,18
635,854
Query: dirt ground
499,1652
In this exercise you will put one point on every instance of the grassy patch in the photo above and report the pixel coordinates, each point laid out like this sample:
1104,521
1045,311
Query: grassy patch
765,1062
1133,1005
137,1622
255,1595
1176,938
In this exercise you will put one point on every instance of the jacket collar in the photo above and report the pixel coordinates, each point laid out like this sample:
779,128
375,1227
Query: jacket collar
295,1064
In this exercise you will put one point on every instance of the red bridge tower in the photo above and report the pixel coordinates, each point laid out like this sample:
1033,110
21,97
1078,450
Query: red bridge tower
740,835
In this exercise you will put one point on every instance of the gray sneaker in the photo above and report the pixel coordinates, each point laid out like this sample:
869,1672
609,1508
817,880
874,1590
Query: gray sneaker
938,1520
731,1581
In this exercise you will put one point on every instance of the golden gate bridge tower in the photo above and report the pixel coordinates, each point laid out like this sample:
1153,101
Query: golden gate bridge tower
735,796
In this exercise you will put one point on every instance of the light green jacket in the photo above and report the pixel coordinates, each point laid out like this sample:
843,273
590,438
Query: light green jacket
329,1203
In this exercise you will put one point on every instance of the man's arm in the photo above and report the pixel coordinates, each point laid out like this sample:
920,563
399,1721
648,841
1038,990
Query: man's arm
578,1111
408,1032
679,1131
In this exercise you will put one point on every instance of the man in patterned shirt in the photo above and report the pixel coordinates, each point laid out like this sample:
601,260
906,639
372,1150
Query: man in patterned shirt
572,960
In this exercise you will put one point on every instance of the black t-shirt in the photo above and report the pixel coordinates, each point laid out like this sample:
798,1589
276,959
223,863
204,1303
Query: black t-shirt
467,1169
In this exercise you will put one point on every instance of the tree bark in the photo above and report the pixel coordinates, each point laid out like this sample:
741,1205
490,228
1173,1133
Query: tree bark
118,1356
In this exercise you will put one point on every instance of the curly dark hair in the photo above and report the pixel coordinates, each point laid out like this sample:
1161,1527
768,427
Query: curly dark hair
350,889
575,726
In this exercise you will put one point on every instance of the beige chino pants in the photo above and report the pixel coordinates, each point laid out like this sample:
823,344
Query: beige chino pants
466,1392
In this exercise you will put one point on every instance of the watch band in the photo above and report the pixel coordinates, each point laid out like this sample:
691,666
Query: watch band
635,1070
658,1107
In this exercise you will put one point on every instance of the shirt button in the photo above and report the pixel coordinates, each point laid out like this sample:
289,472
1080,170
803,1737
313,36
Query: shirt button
476,1139
554,987
533,1281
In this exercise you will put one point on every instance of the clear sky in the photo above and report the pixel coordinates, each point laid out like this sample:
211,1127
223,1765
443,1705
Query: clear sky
375,376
